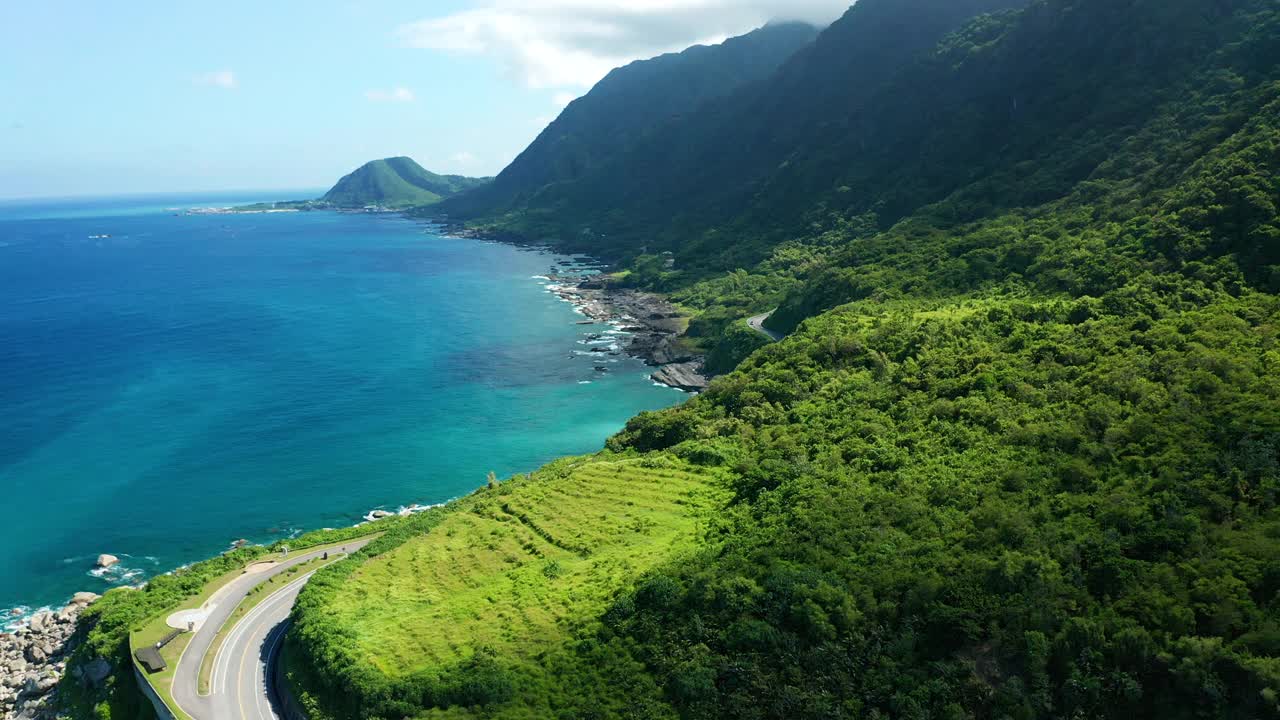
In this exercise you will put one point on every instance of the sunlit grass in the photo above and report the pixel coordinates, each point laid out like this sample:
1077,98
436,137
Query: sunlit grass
516,572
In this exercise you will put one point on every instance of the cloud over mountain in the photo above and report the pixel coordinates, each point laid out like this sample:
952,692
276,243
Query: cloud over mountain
574,43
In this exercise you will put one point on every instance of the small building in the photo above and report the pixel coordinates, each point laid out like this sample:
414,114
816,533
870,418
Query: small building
150,658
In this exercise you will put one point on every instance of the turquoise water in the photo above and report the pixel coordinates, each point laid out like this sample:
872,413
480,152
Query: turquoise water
191,380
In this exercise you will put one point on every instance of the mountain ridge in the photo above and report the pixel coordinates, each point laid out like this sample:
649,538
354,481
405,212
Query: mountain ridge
396,183
628,102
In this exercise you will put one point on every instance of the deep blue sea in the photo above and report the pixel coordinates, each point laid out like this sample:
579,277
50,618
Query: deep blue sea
194,379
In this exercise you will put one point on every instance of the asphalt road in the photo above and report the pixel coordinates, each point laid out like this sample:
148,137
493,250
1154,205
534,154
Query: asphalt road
240,683
757,323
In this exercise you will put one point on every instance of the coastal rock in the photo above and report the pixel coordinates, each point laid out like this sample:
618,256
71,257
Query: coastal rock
659,349
33,659
96,672
39,684
106,560
685,376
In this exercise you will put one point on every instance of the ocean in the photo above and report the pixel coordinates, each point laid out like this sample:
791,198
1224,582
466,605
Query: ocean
170,383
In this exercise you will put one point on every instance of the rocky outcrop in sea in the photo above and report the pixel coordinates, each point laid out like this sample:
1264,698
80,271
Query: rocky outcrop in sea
653,323
33,658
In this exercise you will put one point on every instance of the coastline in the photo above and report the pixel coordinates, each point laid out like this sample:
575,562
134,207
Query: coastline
651,320
653,324
35,643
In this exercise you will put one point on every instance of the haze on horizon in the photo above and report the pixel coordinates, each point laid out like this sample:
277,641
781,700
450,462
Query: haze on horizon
151,97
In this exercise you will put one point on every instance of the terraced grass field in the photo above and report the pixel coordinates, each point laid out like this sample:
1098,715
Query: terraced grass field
514,570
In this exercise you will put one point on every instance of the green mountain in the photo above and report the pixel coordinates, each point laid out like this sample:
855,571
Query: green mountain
664,184
1018,455
627,104
396,183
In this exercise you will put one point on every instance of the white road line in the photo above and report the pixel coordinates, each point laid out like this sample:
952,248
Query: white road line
222,661
271,602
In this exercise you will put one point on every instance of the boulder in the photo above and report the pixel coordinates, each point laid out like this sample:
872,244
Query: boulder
39,684
685,376
36,654
106,560
84,598
96,672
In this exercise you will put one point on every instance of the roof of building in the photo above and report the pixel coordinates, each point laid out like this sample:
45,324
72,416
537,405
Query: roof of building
150,659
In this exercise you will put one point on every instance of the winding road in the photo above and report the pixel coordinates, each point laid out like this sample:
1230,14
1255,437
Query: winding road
757,324
240,686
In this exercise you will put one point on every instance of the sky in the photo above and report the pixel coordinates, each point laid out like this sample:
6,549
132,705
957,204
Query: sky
146,96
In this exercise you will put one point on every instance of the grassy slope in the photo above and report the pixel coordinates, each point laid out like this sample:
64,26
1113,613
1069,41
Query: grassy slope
521,571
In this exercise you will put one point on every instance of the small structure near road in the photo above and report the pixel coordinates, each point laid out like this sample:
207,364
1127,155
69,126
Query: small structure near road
150,659
150,656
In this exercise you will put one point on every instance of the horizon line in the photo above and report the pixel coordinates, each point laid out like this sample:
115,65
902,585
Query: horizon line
160,193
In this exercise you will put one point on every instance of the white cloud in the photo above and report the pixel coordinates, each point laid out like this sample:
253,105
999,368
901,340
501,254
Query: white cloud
398,94
224,79
575,43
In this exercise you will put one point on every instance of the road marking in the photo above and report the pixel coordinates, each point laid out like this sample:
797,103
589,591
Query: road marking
239,624
238,629
272,602
248,620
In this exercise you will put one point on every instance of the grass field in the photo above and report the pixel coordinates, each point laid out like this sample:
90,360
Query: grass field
518,568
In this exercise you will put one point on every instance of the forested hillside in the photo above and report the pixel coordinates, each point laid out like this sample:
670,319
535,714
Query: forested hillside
623,107
660,188
1019,456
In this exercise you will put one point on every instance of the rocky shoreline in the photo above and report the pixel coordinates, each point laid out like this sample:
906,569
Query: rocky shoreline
652,322
33,659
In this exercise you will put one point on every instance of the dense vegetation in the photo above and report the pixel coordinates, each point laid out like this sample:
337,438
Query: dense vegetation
394,183
662,187
1020,455
992,509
